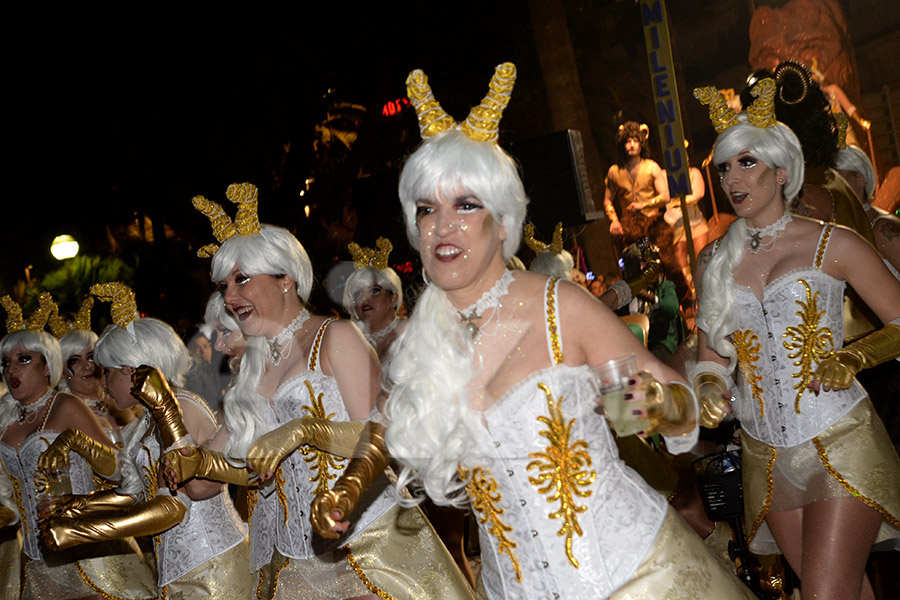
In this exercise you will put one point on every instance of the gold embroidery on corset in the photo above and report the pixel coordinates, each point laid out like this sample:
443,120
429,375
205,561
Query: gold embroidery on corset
482,490
252,498
151,487
769,485
42,483
746,343
101,484
562,468
320,462
282,497
823,456
808,342
551,321
17,492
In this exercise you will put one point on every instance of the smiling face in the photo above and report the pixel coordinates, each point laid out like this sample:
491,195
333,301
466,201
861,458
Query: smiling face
231,343
753,188
258,301
375,306
82,375
117,382
461,244
26,374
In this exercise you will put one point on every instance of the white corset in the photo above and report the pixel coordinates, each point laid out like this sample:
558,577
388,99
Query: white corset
280,516
621,513
210,527
780,344
21,466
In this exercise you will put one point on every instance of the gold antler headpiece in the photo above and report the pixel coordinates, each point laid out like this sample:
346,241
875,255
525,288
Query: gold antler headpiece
370,257
83,316
246,222
483,121
37,320
761,113
555,246
60,327
124,308
843,122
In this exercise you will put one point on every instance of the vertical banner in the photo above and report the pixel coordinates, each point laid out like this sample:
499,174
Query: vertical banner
668,110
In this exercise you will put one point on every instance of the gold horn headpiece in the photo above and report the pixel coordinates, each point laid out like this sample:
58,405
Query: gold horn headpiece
245,222
124,308
376,258
555,246
483,121
58,326
761,113
37,320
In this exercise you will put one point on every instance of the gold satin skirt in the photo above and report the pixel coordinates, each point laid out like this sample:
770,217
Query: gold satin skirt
398,556
680,567
224,576
852,458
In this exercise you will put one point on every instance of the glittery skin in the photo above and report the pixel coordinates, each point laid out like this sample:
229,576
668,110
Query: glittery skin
746,343
482,491
562,470
808,342
325,465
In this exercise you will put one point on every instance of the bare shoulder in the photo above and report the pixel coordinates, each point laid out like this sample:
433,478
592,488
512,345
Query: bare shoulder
67,407
340,332
886,228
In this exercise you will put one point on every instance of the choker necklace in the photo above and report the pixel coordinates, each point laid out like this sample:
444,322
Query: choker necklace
98,406
374,338
28,412
285,338
490,299
772,231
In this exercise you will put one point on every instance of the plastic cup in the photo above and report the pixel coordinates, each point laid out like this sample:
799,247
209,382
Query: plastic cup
612,381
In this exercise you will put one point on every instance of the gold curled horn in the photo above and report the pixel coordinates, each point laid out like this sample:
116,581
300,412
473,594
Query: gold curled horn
58,326
83,316
41,315
555,246
124,307
784,72
432,118
720,114
245,196
843,122
762,112
14,320
483,122
222,226
368,257
645,131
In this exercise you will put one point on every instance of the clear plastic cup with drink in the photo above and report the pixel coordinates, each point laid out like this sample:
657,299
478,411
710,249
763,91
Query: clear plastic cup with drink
612,378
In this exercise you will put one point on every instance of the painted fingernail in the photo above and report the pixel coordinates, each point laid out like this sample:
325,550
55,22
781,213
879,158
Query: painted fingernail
628,396
636,412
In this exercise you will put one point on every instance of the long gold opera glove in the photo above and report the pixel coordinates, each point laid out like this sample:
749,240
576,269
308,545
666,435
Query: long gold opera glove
338,438
147,518
879,346
100,457
76,506
7,516
370,458
151,388
670,407
205,464
710,382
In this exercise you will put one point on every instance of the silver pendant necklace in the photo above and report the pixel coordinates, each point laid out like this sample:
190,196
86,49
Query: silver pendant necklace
280,345
490,299
28,412
772,231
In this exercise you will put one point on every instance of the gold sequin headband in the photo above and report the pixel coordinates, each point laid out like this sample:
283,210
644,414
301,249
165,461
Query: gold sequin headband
370,257
245,222
555,246
37,320
761,113
124,308
483,121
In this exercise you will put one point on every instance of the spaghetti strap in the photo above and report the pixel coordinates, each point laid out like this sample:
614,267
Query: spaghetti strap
314,351
554,341
823,244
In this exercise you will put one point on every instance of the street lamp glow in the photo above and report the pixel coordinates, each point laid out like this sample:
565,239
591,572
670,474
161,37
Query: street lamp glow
63,247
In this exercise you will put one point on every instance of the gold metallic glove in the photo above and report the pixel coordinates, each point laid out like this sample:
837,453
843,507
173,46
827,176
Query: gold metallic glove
611,213
710,385
880,346
150,387
337,438
7,516
202,463
670,407
658,200
100,457
147,518
369,460
76,506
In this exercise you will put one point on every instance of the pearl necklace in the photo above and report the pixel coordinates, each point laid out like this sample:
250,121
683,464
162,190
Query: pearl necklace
490,299
375,338
285,338
27,410
772,231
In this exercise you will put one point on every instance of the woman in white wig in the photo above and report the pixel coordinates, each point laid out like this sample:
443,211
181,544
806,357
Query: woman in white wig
33,415
228,337
299,372
373,295
201,546
550,259
492,401
770,312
